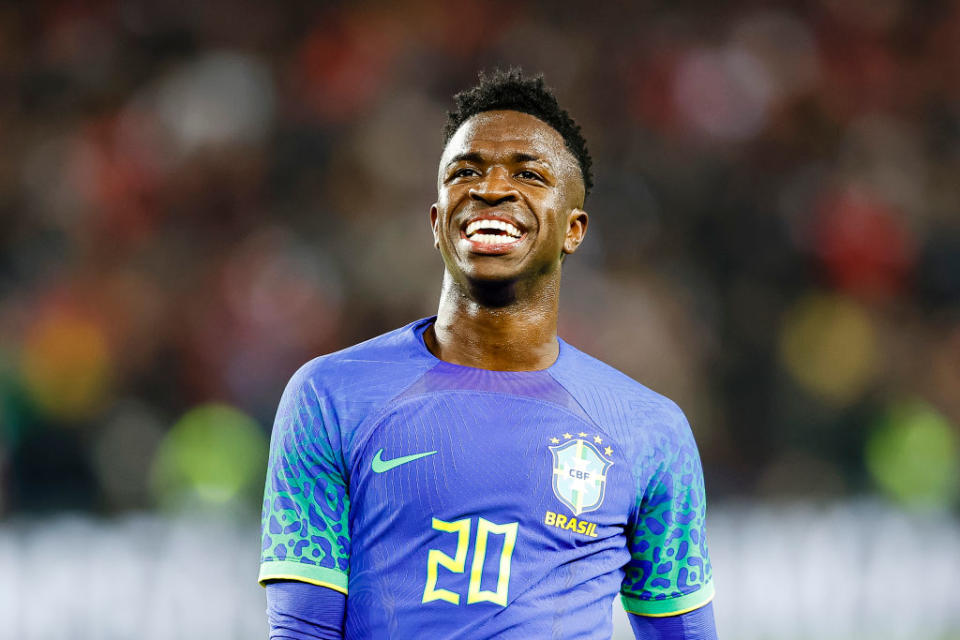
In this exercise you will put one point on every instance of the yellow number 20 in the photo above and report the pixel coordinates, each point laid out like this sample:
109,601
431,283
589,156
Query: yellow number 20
457,564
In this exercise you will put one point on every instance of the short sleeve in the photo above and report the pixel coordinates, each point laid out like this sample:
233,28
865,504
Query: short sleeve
669,570
305,521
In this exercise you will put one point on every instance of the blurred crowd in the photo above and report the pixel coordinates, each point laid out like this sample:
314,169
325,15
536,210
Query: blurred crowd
196,198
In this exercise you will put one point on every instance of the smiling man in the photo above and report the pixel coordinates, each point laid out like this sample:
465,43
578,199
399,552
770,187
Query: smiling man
472,475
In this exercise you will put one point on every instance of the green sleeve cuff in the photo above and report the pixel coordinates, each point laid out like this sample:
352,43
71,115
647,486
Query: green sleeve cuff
669,606
287,570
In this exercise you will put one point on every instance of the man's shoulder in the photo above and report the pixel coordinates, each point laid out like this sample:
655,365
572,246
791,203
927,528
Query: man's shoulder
592,373
604,389
378,363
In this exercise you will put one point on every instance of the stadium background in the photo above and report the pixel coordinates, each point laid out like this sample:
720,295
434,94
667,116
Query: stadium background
198,197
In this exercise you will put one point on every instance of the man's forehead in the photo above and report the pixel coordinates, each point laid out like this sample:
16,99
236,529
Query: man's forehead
507,132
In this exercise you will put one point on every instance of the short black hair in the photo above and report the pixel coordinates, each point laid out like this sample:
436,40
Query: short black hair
510,90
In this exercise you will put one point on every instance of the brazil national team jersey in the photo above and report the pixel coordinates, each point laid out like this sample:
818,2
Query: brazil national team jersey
454,502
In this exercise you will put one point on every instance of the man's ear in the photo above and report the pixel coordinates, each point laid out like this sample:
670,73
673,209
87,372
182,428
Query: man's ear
576,230
434,217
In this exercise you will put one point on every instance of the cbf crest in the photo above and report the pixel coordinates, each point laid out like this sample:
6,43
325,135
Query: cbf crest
580,471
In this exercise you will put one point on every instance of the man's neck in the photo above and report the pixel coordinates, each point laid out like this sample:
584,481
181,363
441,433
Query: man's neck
520,335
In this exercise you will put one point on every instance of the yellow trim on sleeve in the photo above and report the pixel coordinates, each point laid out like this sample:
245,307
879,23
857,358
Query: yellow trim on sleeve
319,583
675,613
311,574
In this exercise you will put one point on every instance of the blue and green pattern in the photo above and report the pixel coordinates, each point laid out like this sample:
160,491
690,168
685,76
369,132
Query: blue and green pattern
305,507
670,570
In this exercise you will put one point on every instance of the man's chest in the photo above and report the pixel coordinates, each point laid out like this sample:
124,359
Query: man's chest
561,478
465,503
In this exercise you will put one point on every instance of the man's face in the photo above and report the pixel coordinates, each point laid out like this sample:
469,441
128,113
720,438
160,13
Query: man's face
509,198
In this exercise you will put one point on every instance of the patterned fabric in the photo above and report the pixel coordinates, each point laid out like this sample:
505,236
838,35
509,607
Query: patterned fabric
474,503
669,562
306,531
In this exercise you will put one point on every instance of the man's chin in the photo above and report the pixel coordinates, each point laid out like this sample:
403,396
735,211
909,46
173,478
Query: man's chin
489,278
492,269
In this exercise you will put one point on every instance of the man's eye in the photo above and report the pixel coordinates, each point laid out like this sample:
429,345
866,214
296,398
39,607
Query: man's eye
466,172
529,175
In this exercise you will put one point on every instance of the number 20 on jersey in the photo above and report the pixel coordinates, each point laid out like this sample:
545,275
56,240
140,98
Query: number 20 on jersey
457,564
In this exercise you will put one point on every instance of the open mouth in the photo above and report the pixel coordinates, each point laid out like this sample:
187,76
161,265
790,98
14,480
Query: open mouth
492,231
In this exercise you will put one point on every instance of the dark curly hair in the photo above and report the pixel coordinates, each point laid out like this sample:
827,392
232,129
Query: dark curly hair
509,90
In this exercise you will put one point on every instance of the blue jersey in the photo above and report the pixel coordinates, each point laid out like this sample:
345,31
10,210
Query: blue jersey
454,502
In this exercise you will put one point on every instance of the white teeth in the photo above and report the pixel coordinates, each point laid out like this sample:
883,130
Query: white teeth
498,225
490,238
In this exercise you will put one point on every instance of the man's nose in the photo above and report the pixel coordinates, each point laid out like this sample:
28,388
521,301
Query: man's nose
494,188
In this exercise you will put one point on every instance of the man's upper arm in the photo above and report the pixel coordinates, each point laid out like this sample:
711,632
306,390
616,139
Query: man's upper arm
669,572
301,611
305,522
693,625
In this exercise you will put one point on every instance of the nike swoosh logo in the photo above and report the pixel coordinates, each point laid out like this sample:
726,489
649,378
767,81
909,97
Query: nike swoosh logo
379,465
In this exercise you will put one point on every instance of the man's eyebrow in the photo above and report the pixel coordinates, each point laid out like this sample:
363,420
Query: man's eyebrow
471,156
527,157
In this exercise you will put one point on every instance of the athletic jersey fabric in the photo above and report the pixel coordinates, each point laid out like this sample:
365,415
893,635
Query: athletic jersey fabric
456,502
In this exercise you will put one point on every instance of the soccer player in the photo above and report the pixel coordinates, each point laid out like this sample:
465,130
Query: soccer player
471,475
